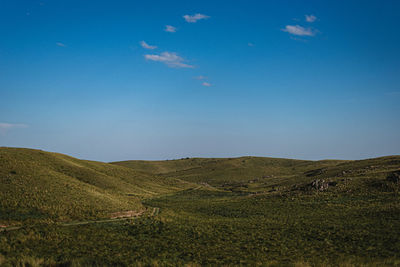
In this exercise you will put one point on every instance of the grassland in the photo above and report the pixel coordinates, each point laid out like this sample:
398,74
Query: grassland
241,211
38,186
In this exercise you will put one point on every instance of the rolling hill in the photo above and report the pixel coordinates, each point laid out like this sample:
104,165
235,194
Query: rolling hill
205,211
44,186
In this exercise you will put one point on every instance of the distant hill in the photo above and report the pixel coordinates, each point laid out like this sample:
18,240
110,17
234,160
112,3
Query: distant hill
258,174
217,171
43,186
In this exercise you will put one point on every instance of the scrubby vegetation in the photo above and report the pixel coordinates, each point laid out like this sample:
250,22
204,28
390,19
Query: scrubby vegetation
243,211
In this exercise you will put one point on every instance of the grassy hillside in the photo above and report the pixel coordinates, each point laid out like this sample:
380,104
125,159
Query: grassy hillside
242,211
253,172
257,174
44,186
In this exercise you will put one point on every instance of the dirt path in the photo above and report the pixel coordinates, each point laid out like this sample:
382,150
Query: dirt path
97,221
115,217
9,228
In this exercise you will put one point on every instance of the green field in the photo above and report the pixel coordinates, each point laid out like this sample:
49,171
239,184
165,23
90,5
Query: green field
56,210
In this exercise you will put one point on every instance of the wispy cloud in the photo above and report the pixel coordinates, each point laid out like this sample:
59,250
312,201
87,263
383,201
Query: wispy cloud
310,18
61,44
169,28
4,127
194,18
250,44
298,30
147,46
170,59
203,80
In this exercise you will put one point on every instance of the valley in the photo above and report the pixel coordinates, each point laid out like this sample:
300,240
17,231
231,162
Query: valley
59,210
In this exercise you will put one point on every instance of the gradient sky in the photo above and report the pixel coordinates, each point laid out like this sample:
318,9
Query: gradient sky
108,80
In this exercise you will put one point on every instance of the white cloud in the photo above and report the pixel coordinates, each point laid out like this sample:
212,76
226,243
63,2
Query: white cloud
194,18
169,28
171,59
207,84
61,44
298,30
200,77
4,127
147,46
310,18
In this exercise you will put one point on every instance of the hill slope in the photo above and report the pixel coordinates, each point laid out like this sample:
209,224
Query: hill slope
43,186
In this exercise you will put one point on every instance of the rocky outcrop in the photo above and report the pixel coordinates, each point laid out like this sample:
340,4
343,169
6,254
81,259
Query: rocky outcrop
320,184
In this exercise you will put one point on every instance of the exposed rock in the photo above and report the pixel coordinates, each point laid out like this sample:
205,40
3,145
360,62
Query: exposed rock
268,176
205,184
394,177
126,214
320,184
253,181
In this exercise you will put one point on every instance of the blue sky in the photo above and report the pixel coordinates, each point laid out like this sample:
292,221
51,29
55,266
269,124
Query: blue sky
115,80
